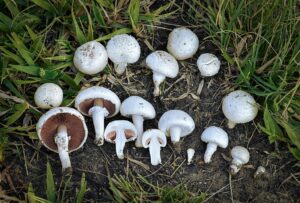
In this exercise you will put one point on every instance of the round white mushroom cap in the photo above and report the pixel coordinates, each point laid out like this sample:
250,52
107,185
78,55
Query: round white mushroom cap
84,100
239,107
162,62
127,127
90,58
182,43
208,64
240,155
135,105
215,135
48,95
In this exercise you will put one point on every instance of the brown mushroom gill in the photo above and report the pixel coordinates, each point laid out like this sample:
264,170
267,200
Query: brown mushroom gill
89,103
128,134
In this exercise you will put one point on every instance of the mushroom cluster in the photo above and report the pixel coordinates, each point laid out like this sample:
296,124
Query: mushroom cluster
63,129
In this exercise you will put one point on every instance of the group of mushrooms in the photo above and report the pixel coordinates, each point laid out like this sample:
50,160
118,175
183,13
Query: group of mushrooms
63,129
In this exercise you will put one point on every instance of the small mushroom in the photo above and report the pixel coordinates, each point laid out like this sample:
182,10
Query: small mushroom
99,103
176,124
260,171
239,107
154,139
163,65
215,137
122,50
190,155
90,58
182,43
120,132
48,95
62,130
139,109
208,65
240,156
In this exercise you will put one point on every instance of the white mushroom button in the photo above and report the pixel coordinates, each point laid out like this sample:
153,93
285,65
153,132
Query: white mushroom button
208,65
99,103
139,109
215,137
62,130
48,95
122,50
163,65
119,132
182,43
90,58
176,124
190,155
240,156
239,107
154,139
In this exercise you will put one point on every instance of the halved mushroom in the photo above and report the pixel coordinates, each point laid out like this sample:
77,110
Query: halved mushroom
154,139
139,109
99,103
48,95
120,132
62,130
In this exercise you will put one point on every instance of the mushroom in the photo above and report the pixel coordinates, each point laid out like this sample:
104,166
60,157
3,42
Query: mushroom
139,109
208,65
90,58
154,139
182,43
123,49
99,103
239,107
260,171
163,65
176,123
240,156
190,155
120,132
215,137
48,95
62,130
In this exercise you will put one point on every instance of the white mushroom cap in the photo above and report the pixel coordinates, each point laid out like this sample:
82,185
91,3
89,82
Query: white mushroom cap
48,95
135,105
123,49
215,135
240,156
90,58
208,64
179,120
111,100
163,63
239,107
182,43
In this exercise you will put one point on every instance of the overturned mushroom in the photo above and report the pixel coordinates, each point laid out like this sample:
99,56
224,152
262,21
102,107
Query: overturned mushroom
48,95
120,132
99,103
240,156
62,130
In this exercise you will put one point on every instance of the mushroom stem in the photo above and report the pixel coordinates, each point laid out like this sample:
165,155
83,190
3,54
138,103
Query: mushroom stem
120,143
138,122
235,166
62,141
154,149
98,114
231,124
210,150
157,79
175,133
120,68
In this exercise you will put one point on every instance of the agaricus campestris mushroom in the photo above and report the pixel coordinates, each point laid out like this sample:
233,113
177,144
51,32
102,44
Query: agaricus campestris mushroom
163,65
120,132
176,124
240,156
239,107
139,109
62,130
215,137
48,95
99,103
154,139
90,58
208,65
182,43
190,155
122,50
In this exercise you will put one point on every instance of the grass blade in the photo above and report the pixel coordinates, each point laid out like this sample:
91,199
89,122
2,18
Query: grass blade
50,187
